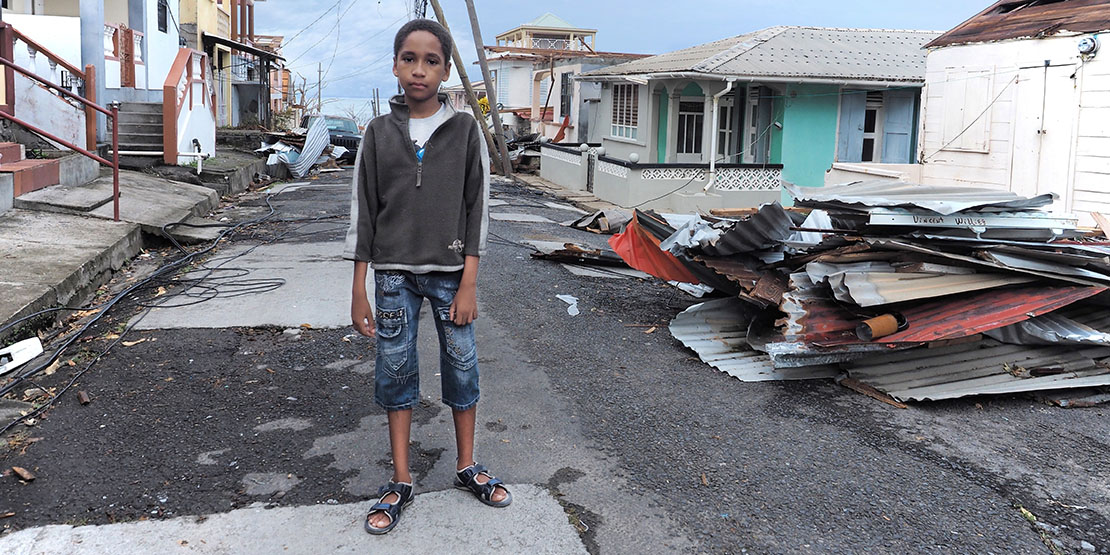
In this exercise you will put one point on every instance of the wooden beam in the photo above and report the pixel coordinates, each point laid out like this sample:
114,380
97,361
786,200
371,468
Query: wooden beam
471,97
498,130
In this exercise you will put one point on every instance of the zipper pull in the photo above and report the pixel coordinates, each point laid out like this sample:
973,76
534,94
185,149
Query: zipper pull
419,173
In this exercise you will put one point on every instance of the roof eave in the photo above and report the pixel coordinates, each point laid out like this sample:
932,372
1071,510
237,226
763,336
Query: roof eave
777,79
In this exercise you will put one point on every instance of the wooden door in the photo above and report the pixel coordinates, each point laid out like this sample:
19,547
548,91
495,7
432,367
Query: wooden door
126,57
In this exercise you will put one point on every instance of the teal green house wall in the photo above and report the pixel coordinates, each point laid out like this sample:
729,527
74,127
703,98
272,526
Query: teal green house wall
661,124
809,126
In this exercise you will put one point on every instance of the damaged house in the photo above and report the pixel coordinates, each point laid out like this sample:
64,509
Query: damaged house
738,116
1016,99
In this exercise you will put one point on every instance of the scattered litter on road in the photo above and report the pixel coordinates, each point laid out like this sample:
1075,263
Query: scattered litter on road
570,300
23,473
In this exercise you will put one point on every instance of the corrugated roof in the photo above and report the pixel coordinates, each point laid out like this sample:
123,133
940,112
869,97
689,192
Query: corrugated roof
1011,19
944,199
880,55
982,367
717,331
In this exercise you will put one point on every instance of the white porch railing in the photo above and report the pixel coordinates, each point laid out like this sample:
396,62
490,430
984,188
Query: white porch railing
677,186
188,109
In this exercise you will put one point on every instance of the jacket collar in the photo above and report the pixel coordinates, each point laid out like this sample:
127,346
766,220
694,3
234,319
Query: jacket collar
399,111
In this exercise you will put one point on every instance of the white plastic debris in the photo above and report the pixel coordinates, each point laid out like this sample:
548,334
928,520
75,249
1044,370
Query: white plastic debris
18,354
570,300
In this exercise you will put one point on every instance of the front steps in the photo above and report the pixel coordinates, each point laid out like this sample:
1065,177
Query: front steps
140,134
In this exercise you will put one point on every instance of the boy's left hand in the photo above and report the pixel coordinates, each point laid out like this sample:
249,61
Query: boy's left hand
464,309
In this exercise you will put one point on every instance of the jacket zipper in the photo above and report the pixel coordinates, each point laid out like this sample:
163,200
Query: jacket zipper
420,159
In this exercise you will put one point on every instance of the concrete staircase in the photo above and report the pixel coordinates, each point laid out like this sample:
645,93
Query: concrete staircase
140,130
19,176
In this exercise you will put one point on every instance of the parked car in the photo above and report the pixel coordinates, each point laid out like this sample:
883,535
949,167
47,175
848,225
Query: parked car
342,131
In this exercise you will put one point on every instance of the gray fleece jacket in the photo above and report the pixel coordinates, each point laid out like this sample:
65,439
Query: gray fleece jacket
419,216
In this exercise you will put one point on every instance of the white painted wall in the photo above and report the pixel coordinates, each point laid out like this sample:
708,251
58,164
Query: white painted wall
34,104
62,35
161,47
1045,130
517,86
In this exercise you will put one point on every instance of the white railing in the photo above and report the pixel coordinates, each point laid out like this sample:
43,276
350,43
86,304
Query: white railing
553,44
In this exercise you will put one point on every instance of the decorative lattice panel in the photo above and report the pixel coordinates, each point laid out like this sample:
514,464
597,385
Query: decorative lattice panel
674,173
748,179
612,169
561,156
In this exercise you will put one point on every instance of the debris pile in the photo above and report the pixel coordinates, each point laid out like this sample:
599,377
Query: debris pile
301,149
920,292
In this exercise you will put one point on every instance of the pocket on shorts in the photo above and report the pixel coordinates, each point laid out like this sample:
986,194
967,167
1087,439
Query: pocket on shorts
459,341
392,340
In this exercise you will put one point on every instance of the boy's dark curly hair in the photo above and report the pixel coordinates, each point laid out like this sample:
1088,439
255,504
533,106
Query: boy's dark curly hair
424,25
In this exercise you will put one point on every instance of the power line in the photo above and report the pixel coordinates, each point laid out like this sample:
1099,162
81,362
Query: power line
290,39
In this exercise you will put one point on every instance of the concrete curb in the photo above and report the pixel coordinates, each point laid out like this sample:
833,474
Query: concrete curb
59,259
437,522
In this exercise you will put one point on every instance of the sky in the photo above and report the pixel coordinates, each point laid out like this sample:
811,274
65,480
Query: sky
352,40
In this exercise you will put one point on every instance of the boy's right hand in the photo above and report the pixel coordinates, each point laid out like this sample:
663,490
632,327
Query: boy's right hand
362,316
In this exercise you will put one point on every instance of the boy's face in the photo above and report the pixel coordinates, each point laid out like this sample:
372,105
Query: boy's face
420,67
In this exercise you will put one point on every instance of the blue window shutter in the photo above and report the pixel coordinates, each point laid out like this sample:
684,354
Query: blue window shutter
849,143
898,127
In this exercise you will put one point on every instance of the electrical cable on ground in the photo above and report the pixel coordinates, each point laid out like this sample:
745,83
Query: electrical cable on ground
240,288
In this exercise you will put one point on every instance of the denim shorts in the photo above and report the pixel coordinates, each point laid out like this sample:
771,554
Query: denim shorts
398,296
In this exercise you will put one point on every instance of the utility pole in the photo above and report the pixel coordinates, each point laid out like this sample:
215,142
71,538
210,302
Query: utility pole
499,131
471,98
319,88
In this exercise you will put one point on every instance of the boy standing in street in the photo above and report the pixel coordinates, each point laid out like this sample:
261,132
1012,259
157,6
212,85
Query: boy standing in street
419,218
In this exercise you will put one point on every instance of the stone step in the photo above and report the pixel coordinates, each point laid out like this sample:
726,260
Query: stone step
141,107
140,117
126,128
139,147
141,138
31,175
11,152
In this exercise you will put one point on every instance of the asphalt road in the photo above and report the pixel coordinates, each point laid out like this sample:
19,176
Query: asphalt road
647,449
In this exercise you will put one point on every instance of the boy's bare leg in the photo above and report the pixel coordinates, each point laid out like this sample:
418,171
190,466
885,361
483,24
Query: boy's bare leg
464,442
400,424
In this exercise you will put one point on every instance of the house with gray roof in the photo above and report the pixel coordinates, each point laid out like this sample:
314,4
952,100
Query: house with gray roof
721,124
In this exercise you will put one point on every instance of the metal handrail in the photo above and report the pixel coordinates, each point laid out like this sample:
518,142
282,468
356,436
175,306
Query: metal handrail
114,114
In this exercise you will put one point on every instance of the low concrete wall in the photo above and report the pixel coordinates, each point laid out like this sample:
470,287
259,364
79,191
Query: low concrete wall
673,188
7,191
77,169
566,167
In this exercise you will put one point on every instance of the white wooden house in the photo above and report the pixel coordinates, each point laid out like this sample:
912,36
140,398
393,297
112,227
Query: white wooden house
1018,97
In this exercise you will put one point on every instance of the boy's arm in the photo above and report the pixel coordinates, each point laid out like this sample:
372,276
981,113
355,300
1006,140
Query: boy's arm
360,234
362,316
476,194
464,309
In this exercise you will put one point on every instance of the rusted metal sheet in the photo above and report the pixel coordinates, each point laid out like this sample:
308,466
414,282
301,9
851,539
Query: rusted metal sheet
717,331
982,367
1010,19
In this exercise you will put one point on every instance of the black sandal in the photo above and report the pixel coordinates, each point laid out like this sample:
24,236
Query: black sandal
467,479
392,510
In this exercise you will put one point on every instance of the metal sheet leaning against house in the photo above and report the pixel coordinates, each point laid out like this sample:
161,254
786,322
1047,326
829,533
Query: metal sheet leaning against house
944,200
979,368
717,331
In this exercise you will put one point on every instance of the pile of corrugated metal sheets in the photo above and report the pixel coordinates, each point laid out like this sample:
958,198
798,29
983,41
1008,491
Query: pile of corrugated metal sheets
923,292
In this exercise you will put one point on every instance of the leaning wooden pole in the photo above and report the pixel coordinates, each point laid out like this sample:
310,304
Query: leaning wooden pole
471,97
498,131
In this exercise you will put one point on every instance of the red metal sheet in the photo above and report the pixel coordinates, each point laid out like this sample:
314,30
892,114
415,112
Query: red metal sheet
955,317
641,251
